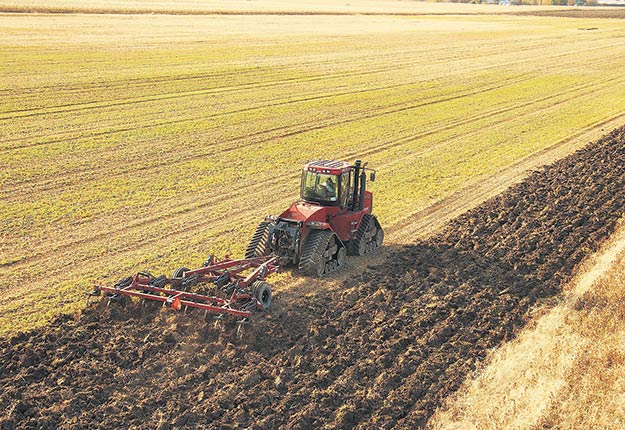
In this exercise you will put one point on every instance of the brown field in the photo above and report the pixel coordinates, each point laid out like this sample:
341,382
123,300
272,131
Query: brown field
565,371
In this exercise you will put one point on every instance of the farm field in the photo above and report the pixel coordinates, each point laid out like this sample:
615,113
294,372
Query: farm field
294,7
133,142
139,135
566,370
383,352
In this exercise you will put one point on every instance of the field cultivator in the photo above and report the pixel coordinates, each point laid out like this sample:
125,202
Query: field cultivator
220,287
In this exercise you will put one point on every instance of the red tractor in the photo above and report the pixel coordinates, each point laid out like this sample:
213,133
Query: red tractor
333,219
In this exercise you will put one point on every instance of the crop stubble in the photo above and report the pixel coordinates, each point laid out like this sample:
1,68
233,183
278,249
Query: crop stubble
124,159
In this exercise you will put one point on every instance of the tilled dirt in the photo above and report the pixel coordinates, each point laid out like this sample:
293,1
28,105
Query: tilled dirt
380,353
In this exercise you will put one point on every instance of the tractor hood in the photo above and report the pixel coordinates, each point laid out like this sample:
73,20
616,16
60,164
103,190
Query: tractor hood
302,211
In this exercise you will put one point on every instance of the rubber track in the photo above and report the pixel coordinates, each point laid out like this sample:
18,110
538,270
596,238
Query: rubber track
255,248
314,247
354,245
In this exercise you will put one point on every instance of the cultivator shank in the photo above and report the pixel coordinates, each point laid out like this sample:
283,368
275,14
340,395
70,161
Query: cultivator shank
222,287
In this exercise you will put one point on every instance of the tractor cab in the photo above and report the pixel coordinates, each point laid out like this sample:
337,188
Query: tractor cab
326,183
335,183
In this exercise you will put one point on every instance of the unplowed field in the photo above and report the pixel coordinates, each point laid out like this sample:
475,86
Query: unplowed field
380,353
132,142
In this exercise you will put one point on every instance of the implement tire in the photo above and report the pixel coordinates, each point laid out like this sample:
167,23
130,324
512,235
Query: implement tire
179,272
262,292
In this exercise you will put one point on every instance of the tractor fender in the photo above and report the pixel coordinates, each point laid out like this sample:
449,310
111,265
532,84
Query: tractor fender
320,225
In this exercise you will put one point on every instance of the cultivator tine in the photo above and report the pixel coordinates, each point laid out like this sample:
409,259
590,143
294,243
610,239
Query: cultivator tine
249,306
113,298
240,325
229,289
189,282
159,282
209,261
95,293
229,281
218,321
222,280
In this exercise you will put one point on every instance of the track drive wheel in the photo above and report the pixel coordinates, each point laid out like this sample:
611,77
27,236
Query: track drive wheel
379,237
368,237
258,245
262,292
320,254
341,256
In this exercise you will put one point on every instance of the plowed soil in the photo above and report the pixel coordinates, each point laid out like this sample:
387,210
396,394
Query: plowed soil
380,353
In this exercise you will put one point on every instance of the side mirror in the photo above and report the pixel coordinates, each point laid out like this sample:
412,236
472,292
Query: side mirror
372,176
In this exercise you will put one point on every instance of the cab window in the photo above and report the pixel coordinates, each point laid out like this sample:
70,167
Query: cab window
319,187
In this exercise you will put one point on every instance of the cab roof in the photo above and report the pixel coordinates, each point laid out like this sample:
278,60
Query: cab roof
328,166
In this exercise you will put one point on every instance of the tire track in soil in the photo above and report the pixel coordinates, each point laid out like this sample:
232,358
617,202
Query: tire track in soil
443,55
350,74
288,81
270,104
238,111
382,352
277,71
77,107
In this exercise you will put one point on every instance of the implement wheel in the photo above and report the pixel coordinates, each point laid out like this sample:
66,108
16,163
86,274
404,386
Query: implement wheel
379,237
341,256
262,292
179,272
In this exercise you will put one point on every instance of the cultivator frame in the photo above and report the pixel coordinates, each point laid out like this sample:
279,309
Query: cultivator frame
235,293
